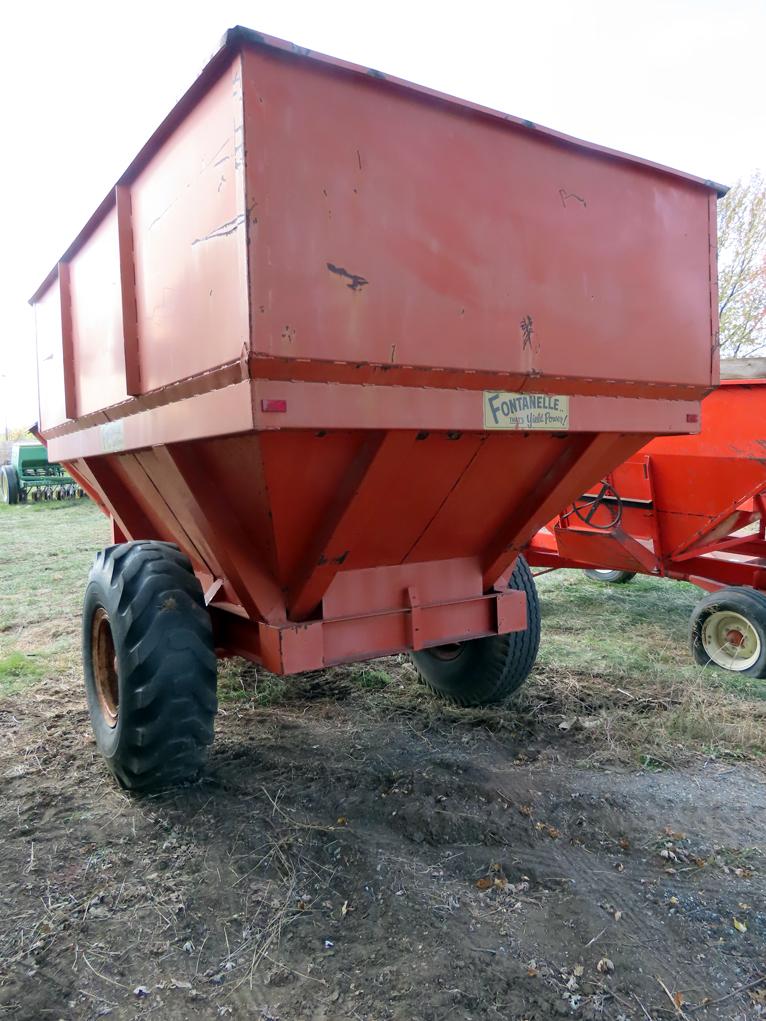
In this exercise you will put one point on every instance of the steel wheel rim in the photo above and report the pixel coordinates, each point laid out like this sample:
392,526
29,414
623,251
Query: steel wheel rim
730,640
104,659
602,570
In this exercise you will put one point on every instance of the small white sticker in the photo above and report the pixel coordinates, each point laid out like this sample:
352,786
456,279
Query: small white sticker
525,411
113,436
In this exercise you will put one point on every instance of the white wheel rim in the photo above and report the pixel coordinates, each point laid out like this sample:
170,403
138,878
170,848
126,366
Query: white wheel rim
602,570
730,640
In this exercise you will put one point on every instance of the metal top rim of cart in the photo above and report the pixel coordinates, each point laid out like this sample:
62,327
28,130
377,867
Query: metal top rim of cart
239,37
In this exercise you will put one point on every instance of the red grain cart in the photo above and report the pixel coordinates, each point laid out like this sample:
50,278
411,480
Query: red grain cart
329,354
691,508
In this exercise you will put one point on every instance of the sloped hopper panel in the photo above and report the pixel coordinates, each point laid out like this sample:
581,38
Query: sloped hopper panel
281,514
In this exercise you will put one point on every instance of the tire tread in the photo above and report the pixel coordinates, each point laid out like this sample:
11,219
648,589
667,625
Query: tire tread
167,662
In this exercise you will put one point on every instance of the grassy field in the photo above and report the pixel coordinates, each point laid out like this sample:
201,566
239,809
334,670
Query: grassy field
46,550
614,660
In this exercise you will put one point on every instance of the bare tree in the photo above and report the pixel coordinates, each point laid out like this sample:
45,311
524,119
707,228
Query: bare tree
742,268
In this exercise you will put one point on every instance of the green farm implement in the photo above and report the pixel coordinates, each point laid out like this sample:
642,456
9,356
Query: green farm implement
31,476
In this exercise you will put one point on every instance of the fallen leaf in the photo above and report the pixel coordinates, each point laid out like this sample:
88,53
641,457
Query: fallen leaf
605,966
525,809
342,820
739,926
567,724
532,969
669,832
578,970
624,843
678,1000
484,883
617,916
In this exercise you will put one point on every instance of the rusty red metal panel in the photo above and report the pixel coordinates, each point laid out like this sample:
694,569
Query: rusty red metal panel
129,308
615,550
189,243
386,588
97,321
507,260
217,412
341,406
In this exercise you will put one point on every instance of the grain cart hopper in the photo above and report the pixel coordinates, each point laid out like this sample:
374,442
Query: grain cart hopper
330,352
692,508
31,476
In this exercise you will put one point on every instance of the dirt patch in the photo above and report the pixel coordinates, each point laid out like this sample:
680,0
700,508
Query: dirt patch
355,856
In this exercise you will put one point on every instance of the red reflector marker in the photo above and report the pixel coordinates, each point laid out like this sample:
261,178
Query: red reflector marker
692,418
273,405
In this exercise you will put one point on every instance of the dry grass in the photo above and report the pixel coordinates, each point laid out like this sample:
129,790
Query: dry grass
658,722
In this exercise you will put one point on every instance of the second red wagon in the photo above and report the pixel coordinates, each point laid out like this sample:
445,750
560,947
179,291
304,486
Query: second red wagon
692,508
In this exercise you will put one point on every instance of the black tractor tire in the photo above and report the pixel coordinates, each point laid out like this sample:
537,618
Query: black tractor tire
486,671
728,630
611,577
150,665
9,484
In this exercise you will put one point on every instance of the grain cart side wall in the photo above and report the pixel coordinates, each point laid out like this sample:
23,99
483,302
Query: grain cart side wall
349,343
430,237
140,302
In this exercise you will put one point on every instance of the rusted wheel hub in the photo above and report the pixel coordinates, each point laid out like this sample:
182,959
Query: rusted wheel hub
735,638
446,652
105,667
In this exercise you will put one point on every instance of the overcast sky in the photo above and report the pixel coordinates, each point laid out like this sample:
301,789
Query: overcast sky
681,82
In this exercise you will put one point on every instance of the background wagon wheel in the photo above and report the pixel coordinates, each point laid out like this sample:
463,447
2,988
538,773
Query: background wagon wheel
149,663
9,484
728,630
610,577
485,671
